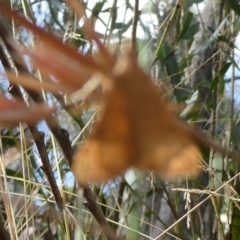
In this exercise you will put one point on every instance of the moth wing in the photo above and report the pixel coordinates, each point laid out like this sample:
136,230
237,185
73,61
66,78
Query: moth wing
179,158
160,142
105,154
184,163
169,150
186,157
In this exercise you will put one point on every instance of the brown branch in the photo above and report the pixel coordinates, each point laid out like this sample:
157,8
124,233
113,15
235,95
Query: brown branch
39,141
134,28
4,234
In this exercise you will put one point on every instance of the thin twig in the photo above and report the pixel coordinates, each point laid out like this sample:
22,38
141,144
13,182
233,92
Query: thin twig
134,26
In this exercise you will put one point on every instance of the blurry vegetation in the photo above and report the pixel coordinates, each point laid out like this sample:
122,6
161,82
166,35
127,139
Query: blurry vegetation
189,49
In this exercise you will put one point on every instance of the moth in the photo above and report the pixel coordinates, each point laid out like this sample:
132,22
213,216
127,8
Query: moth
136,129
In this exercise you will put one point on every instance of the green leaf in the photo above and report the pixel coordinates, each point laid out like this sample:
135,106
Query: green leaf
222,73
234,5
222,38
224,69
235,134
231,59
214,35
169,61
234,229
118,25
107,10
190,104
97,9
186,24
214,83
192,30
9,138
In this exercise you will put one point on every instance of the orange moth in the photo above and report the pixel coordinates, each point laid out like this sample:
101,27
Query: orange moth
136,129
